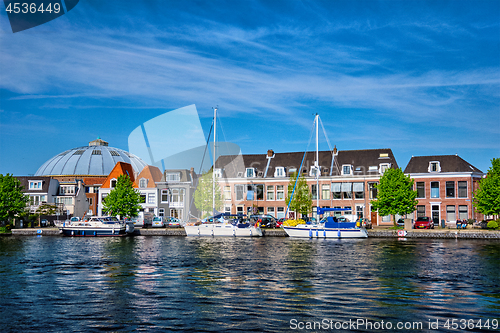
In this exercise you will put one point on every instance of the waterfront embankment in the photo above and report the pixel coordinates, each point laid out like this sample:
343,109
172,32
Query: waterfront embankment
376,233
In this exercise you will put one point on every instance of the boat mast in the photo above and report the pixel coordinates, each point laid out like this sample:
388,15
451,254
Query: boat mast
213,166
317,166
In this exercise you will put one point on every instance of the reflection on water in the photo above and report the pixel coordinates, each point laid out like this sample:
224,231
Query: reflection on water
226,284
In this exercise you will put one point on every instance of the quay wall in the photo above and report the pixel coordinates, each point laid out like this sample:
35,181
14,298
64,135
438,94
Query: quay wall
375,233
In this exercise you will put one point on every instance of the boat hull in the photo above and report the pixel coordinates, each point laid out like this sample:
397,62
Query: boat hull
225,230
319,232
92,232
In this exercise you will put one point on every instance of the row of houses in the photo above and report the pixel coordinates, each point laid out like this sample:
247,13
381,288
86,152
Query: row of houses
258,183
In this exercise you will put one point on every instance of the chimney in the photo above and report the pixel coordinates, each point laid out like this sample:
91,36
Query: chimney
270,153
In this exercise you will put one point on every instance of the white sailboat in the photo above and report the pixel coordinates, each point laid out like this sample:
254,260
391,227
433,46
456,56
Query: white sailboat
329,227
225,226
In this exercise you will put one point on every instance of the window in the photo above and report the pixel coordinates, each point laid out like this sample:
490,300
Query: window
359,211
143,182
239,192
35,185
346,169
434,189
143,198
218,173
336,190
66,190
64,200
173,177
383,167
462,189
113,183
161,212
450,213
279,172
463,212
420,211
373,190
227,192
270,211
314,192
151,198
90,201
239,209
347,190
450,189
281,212
178,195
164,195
434,166
372,168
250,192
421,190
325,192
260,191
34,200
250,172
359,190
270,193
280,193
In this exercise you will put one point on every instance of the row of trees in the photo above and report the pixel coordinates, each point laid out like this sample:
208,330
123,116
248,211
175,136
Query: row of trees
396,196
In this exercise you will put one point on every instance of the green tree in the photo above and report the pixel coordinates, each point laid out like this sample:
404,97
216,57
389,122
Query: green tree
123,200
395,194
487,196
302,198
12,199
203,196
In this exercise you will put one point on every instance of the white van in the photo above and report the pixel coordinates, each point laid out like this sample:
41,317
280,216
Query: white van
158,222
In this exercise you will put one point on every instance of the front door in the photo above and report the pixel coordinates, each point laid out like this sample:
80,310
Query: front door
435,214
373,217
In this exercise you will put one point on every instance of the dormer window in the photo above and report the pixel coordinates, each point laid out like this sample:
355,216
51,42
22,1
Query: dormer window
314,171
218,173
279,172
35,184
383,167
347,169
434,166
173,177
143,182
250,173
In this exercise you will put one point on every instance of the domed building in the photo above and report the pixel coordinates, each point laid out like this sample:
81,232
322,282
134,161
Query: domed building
80,172
96,159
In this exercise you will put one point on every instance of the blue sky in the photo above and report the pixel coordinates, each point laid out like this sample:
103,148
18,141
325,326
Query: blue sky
421,78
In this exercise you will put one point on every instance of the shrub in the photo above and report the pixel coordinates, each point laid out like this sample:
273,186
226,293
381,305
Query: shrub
293,223
492,225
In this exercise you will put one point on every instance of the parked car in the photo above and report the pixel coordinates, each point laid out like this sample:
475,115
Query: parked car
401,222
279,222
137,222
44,223
424,222
265,221
158,222
173,222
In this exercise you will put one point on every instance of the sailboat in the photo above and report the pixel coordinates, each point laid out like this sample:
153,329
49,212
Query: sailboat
328,227
222,224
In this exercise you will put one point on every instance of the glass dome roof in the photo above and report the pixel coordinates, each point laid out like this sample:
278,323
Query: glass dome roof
96,159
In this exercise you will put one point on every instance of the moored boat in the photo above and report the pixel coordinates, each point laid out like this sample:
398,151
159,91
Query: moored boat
97,226
225,227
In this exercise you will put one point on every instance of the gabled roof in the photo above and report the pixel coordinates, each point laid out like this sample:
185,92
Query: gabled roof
234,165
448,163
90,181
152,174
120,168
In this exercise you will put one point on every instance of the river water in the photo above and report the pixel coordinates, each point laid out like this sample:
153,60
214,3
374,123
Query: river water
163,284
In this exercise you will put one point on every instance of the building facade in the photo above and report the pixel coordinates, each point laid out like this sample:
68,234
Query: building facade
445,185
346,179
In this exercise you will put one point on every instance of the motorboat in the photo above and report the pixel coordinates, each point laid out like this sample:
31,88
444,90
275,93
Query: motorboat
224,225
97,226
